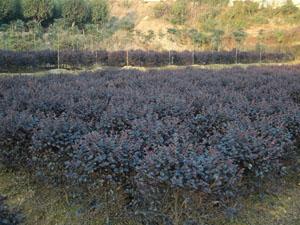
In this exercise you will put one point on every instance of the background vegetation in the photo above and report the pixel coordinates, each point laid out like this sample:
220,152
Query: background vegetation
133,24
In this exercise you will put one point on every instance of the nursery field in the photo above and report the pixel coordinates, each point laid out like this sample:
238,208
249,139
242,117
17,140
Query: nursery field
155,147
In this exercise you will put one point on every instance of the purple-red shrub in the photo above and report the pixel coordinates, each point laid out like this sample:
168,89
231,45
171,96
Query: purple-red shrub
188,130
48,59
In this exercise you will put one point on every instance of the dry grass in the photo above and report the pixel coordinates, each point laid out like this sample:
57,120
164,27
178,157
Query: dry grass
43,205
170,67
279,209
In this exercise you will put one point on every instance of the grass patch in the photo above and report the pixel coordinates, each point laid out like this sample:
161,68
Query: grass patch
145,69
48,206
280,209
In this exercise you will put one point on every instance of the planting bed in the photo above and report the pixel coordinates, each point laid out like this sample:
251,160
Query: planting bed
213,133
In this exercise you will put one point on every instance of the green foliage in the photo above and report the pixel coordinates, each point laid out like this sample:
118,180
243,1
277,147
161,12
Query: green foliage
76,11
173,34
294,18
39,10
208,20
198,39
288,8
261,35
55,30
127,22
35,34
216,39
14,36
93,17
243,14
279,36
247,7
146,38
18,26
213,2
8,9
100,11
239,36
289,12
161,9
259,47
57,9
179,12
4,28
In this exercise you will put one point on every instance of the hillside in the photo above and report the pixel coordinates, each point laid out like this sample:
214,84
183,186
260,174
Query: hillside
277,28
152,25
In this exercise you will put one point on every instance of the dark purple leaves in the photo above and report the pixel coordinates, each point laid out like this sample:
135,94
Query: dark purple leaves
188,130
47,59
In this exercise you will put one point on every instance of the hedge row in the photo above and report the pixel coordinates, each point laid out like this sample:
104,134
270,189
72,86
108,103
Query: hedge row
187,130
49,59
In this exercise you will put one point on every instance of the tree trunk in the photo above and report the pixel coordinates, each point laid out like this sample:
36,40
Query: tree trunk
58,53
260,57
193,60
96,56
34,46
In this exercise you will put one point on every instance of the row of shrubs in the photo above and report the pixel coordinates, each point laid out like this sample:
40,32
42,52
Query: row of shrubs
189,131
49,59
